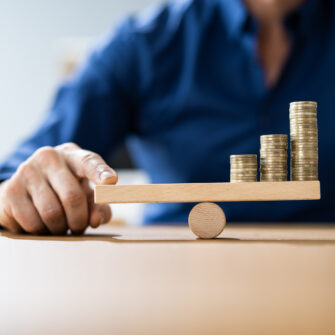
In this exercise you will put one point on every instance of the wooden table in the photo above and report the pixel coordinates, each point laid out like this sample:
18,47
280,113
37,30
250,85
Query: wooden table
160,280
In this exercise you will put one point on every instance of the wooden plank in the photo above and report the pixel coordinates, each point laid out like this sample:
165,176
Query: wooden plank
214,192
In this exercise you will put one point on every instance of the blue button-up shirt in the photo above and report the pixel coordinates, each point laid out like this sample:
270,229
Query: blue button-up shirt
183,85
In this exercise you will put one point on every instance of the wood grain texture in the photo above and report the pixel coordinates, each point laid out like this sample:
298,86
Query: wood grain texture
207,220
208,192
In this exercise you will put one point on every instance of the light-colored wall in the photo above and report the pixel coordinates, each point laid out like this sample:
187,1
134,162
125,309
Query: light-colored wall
29,32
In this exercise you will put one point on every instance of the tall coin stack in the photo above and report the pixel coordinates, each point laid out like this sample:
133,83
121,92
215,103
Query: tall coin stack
273,157
243,168
304,140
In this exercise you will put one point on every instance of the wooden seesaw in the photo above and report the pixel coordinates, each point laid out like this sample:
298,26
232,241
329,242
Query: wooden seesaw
207,219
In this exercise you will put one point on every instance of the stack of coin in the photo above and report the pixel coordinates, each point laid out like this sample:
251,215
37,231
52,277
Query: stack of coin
304,140
243,168
273,157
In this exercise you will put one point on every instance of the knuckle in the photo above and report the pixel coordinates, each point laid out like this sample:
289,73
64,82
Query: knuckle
88,156
25,169
45,154
73,198
67,146
52,214
12,188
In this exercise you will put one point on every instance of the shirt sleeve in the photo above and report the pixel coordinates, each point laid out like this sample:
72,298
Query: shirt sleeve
95,109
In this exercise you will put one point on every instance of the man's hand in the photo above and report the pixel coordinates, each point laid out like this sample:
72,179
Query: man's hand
50,192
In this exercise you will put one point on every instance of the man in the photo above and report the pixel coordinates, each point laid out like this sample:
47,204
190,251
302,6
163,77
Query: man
186,84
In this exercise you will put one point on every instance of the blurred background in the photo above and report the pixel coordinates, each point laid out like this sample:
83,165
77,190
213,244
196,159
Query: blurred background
41,42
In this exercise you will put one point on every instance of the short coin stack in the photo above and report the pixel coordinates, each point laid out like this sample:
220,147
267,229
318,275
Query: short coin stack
304,140
273,157
243,168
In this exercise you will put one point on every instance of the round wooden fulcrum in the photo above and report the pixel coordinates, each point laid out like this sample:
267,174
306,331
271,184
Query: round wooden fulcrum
207,220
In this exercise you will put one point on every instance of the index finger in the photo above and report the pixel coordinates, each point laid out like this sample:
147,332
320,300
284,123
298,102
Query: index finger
87,164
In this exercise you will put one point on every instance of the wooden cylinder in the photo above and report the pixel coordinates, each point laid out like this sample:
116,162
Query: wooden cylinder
207,220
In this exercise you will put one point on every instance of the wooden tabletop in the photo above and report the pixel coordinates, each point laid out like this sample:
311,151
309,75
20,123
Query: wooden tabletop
161,280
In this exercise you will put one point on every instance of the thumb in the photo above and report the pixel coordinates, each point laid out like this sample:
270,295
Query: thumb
87,164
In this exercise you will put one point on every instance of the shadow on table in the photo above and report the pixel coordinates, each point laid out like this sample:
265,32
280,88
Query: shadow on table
324,235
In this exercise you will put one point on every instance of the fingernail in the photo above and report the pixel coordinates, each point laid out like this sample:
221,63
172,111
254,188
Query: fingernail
107,175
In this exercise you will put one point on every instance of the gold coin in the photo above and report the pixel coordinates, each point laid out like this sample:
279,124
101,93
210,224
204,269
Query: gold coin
304,103
274,137
243,156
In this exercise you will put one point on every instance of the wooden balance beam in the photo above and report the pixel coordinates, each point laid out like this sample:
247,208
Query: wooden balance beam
208,192
206,219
